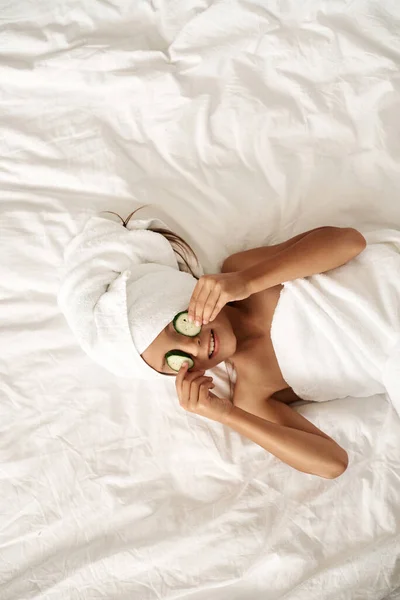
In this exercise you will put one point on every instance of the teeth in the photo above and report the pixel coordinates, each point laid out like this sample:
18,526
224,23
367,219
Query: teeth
212,344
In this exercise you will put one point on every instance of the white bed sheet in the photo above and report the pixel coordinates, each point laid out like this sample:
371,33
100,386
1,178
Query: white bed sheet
244,123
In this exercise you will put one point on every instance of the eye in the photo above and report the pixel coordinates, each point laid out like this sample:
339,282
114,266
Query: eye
183,326
176,358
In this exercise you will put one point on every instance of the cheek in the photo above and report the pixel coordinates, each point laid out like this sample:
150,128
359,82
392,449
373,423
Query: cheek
223,325
155,353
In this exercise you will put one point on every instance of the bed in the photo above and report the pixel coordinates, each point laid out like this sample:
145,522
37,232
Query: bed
241,123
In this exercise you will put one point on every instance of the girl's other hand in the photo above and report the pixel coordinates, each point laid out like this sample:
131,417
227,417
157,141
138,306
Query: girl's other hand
194,395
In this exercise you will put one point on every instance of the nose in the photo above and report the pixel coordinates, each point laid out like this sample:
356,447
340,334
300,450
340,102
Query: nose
193,346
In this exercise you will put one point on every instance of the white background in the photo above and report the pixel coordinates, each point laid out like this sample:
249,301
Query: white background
243,122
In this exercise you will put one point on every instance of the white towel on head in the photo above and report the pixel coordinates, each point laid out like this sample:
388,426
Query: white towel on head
120,289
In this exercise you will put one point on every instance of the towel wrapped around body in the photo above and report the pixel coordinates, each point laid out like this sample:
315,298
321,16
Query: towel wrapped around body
337,334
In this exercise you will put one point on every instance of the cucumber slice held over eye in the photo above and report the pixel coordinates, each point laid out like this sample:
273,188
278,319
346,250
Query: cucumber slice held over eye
176,358
184,326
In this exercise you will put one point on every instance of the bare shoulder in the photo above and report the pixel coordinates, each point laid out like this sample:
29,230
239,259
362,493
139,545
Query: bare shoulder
248,395
258,372
270,409
251,389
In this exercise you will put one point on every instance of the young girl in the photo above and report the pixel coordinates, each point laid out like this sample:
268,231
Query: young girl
288,320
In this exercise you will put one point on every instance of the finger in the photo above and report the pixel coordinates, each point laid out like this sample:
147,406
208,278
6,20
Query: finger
204,398
181,374
179,379
211,303
195,391
191,376
187,382
204,391
201,302
193,299
192,393
218,307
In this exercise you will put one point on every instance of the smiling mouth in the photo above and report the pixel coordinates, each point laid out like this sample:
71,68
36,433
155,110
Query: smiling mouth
211,345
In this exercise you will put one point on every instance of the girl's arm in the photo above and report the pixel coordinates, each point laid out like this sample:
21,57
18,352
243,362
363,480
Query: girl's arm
279,430
252,271
303,450
315,251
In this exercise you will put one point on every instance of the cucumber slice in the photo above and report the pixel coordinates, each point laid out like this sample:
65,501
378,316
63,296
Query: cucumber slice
176,358
184,326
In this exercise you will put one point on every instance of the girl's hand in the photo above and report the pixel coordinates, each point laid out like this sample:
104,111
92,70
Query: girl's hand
212,292
195,396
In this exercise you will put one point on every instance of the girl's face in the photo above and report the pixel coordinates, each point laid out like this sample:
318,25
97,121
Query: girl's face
197,347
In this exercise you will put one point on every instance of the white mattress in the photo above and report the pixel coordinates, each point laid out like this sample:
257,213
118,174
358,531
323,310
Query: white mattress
244,123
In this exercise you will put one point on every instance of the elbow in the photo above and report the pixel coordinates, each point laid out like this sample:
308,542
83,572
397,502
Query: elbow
356,240
337,467
347,243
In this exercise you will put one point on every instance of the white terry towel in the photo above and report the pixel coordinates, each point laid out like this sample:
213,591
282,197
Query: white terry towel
121,287
337,334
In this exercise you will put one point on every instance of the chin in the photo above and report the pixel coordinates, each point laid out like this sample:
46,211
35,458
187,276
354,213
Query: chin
227,339
228,351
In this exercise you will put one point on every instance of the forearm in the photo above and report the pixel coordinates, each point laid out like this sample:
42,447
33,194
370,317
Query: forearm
301,450
319,251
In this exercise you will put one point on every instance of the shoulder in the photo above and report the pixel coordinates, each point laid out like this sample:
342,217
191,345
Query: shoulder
251,386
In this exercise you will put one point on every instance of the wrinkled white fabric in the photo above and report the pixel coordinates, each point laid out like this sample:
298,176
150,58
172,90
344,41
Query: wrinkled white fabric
335,333
244,122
